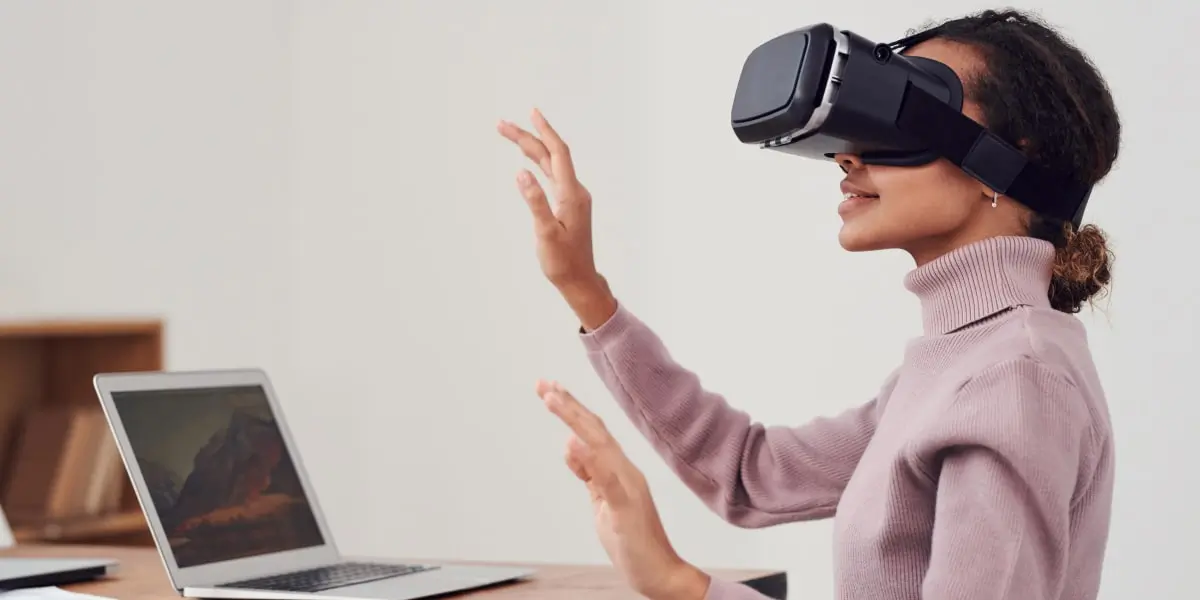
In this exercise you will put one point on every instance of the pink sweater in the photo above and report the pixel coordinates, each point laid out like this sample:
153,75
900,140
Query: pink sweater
982,470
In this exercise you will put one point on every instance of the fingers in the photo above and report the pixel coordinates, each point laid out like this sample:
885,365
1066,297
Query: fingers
535,198
530,146
583,422
550,152
560,155
592,454
543,387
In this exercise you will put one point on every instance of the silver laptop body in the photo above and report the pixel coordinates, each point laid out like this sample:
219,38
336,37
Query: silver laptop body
227,499
16,572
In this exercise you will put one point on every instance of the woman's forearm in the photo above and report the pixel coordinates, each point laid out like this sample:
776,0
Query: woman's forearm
592,301
751,474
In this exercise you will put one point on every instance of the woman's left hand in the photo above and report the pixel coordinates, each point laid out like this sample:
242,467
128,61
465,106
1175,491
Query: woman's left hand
626,518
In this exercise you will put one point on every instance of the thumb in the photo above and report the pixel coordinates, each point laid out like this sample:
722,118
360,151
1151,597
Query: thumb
598,469
535,197
608,481
577,458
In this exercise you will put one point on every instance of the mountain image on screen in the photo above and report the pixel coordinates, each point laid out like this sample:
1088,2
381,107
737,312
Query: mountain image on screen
238,495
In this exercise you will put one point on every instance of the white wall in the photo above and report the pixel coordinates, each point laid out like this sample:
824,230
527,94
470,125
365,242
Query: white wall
316,188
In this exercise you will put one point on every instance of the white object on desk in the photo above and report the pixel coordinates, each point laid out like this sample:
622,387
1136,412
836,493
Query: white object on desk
47,593
6,534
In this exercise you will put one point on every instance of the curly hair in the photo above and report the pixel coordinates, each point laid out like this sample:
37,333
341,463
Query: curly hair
1042,94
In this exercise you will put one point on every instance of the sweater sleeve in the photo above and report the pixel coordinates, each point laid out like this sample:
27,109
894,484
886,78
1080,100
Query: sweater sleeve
1011,452
752,475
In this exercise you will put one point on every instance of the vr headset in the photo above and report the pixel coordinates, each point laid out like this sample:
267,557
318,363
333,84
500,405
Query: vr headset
820,91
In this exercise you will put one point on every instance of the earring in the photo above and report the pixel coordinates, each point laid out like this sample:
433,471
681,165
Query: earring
995,195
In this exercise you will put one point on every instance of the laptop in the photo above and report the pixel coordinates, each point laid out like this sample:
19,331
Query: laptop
16,573
232,512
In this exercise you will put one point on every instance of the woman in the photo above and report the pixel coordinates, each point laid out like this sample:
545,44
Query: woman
984,466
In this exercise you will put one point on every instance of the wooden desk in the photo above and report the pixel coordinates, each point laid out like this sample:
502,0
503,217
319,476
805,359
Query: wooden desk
142,576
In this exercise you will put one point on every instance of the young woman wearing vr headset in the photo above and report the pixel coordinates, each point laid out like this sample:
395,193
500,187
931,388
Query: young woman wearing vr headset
984,467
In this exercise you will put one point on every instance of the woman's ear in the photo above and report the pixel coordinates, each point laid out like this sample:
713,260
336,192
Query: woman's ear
990,195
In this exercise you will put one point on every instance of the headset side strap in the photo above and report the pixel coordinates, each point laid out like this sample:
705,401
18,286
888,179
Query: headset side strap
991,160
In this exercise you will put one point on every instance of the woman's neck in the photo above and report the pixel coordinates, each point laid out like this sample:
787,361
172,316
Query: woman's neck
1008,219
977,280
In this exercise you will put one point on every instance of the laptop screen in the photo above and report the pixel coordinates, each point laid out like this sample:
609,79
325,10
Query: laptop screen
219,473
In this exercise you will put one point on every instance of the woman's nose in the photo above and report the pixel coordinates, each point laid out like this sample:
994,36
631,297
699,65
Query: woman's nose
848,162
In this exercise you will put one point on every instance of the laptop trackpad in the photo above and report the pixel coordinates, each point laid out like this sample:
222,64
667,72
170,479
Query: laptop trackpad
442,580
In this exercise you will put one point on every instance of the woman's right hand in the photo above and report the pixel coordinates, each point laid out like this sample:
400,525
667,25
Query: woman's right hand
564,232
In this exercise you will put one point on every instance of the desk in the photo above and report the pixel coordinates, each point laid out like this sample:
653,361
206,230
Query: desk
141,576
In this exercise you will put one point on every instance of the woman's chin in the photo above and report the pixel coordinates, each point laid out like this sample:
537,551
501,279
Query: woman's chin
857,235
858,228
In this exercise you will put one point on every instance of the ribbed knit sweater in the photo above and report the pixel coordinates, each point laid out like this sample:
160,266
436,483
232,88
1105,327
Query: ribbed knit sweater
982,470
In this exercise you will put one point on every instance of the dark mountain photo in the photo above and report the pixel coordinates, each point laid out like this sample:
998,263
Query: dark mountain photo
224,486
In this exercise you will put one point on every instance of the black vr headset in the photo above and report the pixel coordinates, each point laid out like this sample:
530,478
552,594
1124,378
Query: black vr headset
819,91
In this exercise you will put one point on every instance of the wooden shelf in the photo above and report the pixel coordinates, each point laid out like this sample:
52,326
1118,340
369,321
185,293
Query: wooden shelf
84,530
58,479
78,328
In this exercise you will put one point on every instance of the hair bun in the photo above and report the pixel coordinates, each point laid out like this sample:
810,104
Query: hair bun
1082,268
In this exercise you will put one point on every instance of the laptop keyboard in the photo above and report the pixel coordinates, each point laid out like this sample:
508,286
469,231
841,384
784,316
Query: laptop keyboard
329,577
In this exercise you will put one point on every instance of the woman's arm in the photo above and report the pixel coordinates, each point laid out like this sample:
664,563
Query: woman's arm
752,475
1013,450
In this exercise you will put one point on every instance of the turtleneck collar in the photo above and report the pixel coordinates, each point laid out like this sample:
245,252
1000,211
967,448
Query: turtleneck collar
981,279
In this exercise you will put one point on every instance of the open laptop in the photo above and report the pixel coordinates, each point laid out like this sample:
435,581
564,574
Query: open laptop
232,511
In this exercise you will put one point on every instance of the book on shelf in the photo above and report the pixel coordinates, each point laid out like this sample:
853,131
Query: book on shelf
66,466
